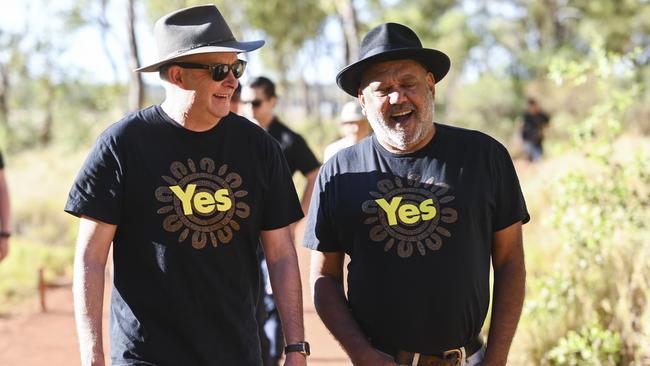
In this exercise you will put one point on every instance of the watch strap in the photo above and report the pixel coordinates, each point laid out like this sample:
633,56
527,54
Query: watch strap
300,347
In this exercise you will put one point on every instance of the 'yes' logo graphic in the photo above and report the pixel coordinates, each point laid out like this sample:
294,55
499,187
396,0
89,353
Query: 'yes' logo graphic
409,215
202,203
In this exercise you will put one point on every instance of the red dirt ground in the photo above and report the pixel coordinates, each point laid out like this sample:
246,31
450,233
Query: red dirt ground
30,338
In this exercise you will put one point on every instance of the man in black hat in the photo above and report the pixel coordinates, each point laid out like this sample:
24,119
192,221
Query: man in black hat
184,190
421,208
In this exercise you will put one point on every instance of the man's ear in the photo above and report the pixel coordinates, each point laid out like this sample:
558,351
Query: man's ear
175,76
362,102
273,100
431,83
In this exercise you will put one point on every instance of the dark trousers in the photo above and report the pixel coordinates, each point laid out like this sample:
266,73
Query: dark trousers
268,319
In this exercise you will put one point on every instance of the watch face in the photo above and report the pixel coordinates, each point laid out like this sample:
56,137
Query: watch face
307,350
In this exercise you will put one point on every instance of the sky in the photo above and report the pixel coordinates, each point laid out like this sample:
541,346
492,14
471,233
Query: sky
82,49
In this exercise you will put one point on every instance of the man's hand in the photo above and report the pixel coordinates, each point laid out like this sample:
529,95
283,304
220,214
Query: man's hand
374,358
4,248
295,359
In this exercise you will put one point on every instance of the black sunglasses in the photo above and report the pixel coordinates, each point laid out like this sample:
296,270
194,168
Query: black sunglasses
256,103
218,71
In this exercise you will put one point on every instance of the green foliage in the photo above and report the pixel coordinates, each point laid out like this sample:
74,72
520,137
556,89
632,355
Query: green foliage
301,20
599,212
593,345
486,105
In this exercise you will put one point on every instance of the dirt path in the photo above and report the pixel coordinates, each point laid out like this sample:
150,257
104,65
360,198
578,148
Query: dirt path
31,338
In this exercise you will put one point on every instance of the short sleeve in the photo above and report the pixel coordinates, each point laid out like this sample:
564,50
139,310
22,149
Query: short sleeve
510,206
281,204
319,232
302,158
97,191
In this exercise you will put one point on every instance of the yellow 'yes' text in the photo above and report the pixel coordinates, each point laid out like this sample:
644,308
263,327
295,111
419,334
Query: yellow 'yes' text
204,202
407,213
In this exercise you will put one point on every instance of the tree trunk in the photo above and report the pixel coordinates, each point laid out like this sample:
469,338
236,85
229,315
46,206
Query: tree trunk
48,122
104,27
136,88
350,23
4,97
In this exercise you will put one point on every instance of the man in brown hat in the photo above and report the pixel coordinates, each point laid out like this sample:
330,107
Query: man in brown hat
421,208
184,190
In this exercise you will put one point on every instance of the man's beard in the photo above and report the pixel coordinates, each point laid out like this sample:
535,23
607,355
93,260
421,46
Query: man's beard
400,138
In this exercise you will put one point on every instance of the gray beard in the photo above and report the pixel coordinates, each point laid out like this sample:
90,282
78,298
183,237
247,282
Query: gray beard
398,138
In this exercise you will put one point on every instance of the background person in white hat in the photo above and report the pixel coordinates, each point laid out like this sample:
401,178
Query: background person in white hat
184,190
422,209
353,126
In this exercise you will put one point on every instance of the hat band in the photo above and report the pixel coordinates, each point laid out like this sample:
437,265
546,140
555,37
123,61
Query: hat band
387,48
206,44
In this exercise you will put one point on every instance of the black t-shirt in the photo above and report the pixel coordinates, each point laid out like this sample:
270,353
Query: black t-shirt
295,149
418,228
533,125
189,207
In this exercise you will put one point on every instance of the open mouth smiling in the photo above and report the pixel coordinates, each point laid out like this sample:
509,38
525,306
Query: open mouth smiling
401,117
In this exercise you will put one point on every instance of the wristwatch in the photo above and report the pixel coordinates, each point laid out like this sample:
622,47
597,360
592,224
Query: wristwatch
5,234
301,347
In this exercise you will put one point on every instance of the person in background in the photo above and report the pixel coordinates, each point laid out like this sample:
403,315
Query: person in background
5,217
186,191
532,132
234,100
258,101
353,126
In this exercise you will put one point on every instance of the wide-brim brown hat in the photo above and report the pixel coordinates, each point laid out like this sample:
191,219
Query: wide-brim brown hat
388,42
194,30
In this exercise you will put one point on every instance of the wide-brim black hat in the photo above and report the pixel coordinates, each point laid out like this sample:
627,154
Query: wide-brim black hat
388,42
189,31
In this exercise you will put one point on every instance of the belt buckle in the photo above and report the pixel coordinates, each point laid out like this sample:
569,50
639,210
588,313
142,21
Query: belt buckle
453,354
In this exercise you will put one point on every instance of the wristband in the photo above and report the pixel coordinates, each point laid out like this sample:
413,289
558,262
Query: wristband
5,234
300,347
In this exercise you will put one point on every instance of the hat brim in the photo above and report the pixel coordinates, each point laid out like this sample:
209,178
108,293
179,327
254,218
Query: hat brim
237,47
438,63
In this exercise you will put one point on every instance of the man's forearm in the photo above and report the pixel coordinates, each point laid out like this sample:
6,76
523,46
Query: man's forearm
287,290
88,289
333,309
509,290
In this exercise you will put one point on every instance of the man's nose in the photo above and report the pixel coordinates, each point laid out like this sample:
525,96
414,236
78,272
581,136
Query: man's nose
396,96
230,80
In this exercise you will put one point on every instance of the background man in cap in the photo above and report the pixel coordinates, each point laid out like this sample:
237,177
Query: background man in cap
421,208
354,127
258,101
184,190
5,232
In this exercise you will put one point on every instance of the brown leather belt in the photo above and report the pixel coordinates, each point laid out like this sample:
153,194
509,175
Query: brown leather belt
452,357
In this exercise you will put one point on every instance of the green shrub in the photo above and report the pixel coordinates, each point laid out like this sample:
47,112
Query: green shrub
599,212
593,345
